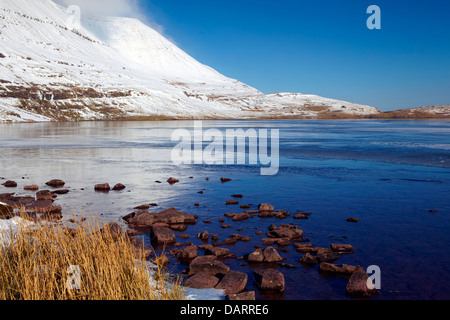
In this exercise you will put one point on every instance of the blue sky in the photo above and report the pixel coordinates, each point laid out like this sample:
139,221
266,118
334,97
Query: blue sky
320,47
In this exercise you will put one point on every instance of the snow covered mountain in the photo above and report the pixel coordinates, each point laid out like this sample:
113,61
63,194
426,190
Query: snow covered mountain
119,68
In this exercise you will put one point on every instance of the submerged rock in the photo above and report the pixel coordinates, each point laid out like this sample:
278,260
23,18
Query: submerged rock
188,253
343,269
342,248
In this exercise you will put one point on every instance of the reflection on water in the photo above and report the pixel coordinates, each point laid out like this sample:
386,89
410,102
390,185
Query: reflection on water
389,174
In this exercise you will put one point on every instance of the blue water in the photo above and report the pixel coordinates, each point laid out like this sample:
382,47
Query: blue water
389,174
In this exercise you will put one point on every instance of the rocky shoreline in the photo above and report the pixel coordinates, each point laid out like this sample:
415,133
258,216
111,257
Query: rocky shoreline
206,262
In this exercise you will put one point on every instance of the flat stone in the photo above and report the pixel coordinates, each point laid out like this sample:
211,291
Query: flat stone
163,235
209,265
201,281
337,269
233,282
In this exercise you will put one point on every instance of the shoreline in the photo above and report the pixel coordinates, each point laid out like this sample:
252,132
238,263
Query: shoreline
206,257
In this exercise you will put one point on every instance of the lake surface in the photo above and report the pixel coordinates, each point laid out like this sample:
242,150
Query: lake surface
388,174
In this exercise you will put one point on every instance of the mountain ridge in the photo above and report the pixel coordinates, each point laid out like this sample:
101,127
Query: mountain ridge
116,68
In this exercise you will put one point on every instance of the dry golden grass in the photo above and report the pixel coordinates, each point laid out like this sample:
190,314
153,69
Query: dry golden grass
36,264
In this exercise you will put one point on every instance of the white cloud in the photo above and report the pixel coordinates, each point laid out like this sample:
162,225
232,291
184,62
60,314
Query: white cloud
122,8
114,8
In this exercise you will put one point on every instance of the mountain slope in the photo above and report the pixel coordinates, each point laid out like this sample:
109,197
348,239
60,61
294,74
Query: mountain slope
118,68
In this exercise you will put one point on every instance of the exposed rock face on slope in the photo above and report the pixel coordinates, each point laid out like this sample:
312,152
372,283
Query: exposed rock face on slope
119,68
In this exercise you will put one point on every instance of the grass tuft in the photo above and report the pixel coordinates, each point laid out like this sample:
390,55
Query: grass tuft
49,261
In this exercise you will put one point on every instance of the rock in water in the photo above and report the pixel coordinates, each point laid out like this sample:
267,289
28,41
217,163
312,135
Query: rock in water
208,264
163,235
10,184
233,282
360,284
270,279
55,183
104,187
201,281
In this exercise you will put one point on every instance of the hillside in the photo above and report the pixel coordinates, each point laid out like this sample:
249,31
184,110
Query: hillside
119,68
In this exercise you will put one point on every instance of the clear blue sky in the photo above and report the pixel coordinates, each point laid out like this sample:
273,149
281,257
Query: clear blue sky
319,46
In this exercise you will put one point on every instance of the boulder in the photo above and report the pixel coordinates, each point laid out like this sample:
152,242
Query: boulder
113,229
290,232
10,184
239,196
256,257
265,207
201,281
16,202
281,214
233,282
55,183
301,216
188,253
162,235
231,202
105,187
305,248
308,259
326,257
353,220
358,284
225,179
173,180
241,217
216,251
143,219
270,279
209,265
266,214
271,255
119,187
204,236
